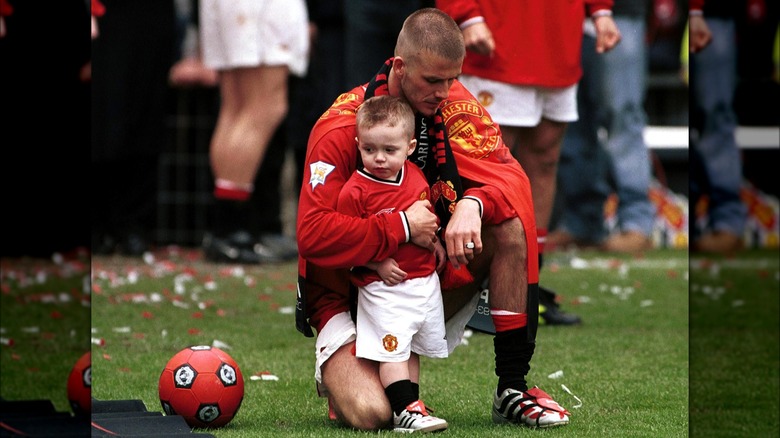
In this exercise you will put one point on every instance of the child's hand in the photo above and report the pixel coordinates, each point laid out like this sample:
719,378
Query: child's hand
441,256
390,273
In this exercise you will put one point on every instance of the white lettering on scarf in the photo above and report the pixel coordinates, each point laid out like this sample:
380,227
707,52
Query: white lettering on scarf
423,146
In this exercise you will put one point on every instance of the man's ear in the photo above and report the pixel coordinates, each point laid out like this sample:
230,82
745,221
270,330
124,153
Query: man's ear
399,66
412,145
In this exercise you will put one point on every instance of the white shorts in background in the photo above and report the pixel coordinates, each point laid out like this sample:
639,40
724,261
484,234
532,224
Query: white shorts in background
518,105
393,321
250,33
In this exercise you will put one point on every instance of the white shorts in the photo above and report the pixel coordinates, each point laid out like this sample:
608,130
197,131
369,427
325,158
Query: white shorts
250,33
393,321
340,330
518,105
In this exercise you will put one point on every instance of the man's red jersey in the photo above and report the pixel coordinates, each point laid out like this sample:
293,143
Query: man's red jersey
537,42
329,243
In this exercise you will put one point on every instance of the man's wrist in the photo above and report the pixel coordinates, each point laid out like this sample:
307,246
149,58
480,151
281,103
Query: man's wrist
475,199
601,13
407,227
471,21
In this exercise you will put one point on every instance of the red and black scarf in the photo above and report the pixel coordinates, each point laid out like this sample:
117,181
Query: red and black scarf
432,141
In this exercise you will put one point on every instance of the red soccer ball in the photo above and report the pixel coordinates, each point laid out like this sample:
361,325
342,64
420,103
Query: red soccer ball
80,385
204,385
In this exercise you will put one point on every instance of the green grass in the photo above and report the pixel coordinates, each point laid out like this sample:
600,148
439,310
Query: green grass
41,311
628,364
735,346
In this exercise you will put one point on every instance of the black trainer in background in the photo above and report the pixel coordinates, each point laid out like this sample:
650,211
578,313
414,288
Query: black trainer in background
238,247
550,311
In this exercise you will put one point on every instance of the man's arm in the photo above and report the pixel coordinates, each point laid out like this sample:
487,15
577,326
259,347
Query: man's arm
699,35
476,33
607,32
334,240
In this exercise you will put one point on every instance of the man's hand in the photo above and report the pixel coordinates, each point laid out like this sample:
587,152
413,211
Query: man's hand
463,231
423,224
607,33
479,39
699,35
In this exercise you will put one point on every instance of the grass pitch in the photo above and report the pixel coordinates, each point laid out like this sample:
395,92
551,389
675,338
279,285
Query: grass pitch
625,372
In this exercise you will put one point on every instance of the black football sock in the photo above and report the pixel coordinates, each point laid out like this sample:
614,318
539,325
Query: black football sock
416,390
513,358
400,394
229,216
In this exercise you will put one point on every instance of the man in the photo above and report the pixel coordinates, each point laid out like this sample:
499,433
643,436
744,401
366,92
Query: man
523,65
715,155
483,199
610,96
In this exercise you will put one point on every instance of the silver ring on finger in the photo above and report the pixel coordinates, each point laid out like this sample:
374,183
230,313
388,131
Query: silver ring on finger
469,245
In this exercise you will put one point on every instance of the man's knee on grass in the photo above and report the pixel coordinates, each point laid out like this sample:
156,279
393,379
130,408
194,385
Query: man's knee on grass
355,391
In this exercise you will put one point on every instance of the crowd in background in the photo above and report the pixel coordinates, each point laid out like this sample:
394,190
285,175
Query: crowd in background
146,54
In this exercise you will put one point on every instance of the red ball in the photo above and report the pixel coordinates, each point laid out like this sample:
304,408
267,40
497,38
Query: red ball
204,385
80,385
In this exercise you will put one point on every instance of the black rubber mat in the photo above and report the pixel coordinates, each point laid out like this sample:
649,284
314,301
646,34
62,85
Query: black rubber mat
30,407
40,426
104,406
130,418
110,418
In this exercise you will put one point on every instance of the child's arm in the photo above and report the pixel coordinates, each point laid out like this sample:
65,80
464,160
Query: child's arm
388,270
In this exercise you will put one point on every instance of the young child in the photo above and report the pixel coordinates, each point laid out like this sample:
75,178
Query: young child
400,312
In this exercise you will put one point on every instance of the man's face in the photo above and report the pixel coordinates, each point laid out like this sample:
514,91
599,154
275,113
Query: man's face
426,80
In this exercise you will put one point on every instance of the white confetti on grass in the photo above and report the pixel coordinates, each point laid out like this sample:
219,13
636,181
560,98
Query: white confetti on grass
578,263
148,258
264,376
579,404
57,258
181,304
221,345
556,375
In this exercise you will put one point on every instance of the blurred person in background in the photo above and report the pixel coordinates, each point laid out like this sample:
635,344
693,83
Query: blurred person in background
611,95
523,64
716,161
370,29
45,53
132,53
255,46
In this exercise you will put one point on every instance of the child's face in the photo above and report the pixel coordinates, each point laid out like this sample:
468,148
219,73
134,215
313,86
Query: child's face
384,149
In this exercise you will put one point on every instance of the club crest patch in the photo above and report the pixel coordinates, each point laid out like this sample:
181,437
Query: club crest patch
390,342
319,171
